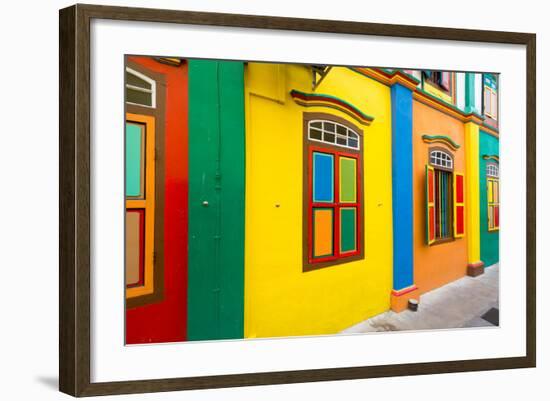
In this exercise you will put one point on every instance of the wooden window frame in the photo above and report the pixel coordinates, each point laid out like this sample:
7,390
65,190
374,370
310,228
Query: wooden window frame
310,146
450,92
451,213
149,80
488,111
490,204
145,204
153,289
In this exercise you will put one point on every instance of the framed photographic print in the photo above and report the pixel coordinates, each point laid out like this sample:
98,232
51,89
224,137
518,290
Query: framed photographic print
251,200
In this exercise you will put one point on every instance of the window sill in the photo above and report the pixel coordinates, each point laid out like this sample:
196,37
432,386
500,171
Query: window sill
308,266
442,241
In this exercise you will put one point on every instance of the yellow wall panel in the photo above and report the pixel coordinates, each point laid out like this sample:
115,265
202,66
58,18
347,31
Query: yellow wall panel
433,90
280,299
471,134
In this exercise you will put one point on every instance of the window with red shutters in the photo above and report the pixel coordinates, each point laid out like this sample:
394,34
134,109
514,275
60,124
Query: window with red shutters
444,198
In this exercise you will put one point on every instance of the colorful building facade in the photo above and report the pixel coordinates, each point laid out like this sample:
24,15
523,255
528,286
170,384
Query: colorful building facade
489,173
287,200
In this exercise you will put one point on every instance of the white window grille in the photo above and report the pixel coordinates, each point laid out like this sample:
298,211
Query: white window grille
140,89
492,170
333,133
440,158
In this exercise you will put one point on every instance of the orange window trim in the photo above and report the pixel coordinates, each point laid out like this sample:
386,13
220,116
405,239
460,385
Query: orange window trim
148,204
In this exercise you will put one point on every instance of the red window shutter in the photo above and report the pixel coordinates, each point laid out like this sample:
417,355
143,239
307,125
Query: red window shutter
459,205
430,205
445,80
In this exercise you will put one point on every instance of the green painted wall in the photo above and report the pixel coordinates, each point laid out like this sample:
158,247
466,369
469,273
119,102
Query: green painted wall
470,98
216,176
489,240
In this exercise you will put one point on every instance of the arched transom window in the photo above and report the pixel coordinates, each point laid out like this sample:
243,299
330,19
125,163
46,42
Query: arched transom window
140,89
492,170
440,158
444,198
333,133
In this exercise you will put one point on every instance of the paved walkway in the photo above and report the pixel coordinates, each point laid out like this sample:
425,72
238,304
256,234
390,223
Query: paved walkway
461,303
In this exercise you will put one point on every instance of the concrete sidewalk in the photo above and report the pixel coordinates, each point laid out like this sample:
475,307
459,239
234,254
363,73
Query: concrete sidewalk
461,303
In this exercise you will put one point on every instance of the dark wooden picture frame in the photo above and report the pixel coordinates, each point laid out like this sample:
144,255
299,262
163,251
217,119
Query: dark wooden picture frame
74,199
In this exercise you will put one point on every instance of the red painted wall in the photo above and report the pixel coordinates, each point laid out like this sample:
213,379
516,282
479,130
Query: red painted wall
166,321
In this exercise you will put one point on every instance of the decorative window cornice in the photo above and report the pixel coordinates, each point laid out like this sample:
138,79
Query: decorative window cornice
445,140
493,131
173,61
323,100
491,157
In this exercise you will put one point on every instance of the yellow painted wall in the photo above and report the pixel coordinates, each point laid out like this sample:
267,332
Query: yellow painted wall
280,299
471,134
435,91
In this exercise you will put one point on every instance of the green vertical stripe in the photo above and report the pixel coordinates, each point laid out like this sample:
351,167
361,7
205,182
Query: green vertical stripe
347,180
470,92
216,200
489,240
347,229
133,160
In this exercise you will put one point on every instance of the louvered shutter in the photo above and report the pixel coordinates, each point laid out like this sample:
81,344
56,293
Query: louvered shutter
458,199
430,205
445,80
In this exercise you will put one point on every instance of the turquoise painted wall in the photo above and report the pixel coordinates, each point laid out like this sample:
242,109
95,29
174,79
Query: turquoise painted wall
489,240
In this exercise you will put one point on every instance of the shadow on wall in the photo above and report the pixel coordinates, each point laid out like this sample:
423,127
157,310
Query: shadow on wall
49,381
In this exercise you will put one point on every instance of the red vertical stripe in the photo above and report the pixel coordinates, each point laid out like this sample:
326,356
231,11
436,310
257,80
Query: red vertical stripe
459,188
460,219
336,231
166,321
437,197
430,186
459,204
310,207
431,210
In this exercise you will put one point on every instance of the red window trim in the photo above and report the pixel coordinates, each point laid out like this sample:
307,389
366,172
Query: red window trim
335,206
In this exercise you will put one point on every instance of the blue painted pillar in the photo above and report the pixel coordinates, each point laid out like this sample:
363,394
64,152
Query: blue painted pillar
402,193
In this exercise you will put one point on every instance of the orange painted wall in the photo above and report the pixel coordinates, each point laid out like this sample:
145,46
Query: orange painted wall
438,264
